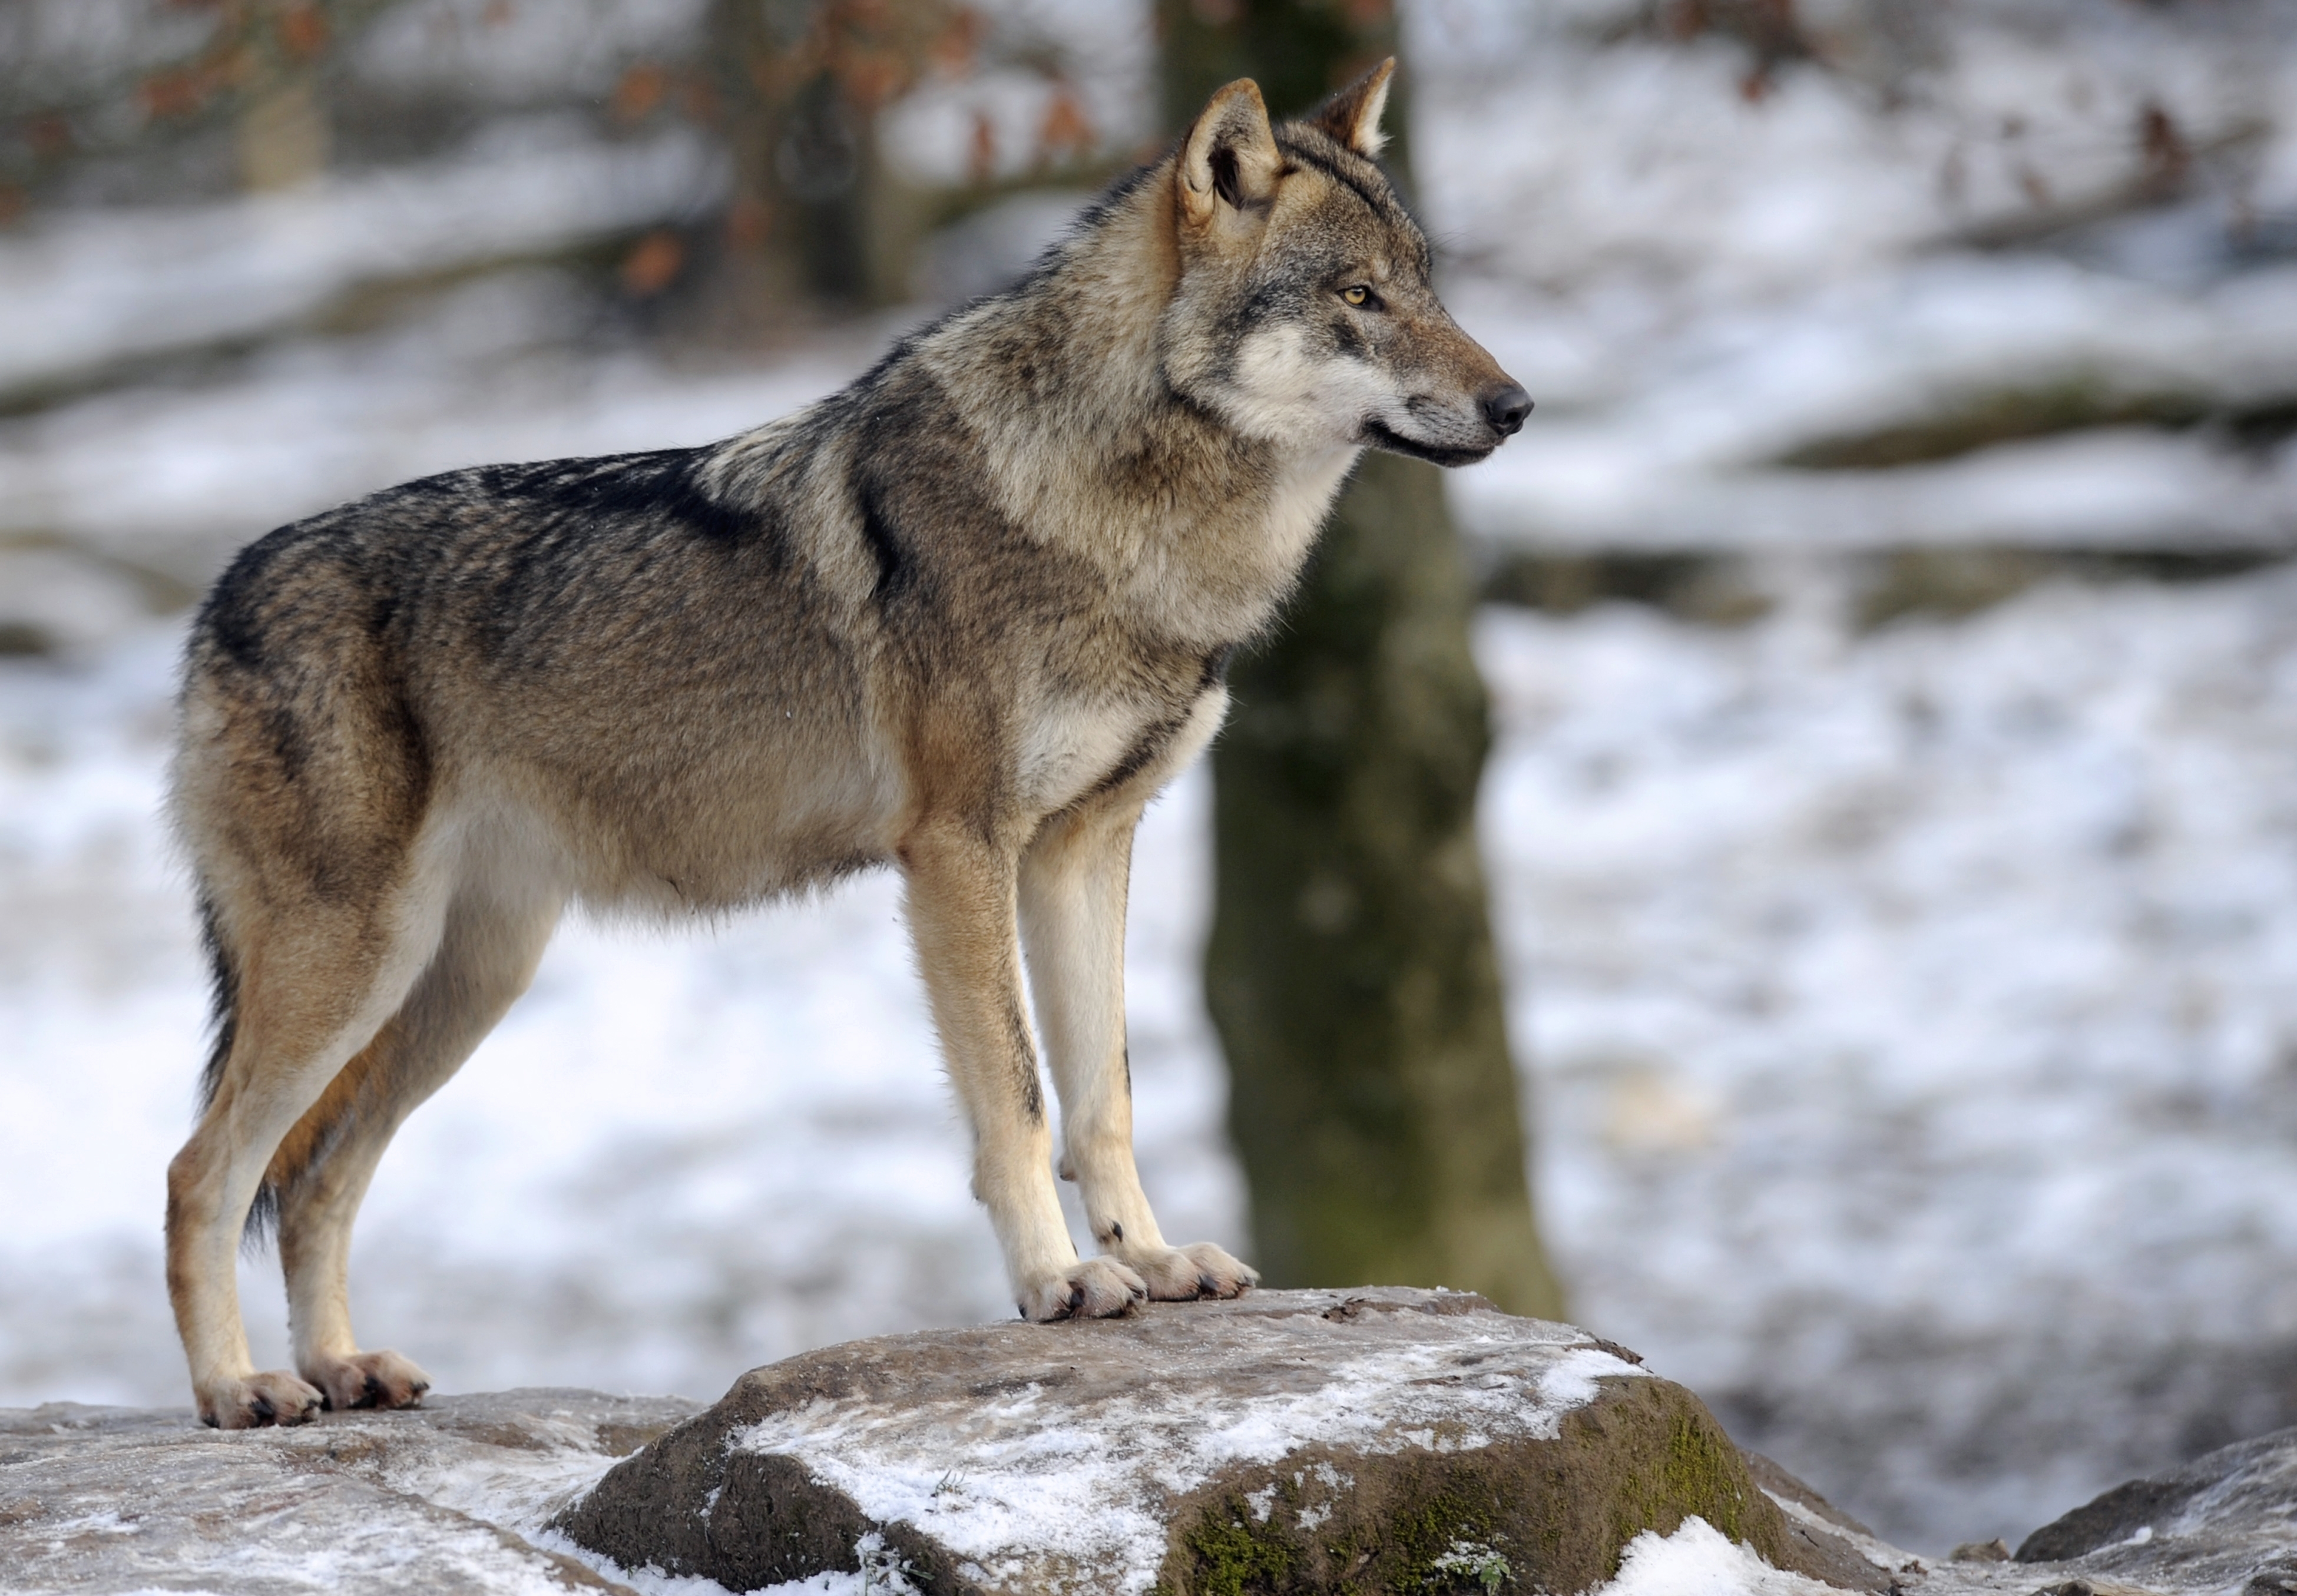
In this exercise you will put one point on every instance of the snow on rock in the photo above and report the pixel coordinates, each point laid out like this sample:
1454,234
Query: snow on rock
1697,1557
2224,1523
460,1495
1389,1438
436,1500
2220,1520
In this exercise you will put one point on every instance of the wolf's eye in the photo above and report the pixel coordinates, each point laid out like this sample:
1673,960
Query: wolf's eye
1357,295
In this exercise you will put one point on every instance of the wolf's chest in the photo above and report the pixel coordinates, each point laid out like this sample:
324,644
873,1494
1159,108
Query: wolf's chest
1073,745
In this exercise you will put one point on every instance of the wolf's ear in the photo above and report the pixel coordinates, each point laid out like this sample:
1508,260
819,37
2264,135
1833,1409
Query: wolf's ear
1351,116
1228,161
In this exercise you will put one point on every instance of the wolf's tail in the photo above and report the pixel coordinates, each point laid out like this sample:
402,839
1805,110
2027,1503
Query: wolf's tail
223,1001
223,1022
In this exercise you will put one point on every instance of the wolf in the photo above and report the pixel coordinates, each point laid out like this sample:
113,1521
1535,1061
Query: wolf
964,617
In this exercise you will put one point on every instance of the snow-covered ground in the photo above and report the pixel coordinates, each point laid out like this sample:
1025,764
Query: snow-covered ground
1914,1021
1699,269
1908,1015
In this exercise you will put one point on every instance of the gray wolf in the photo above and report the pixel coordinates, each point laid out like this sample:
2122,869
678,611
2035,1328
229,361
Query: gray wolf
965,617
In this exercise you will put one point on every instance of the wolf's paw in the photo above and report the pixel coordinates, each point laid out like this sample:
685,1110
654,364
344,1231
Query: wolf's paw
1096,1288
1181,1274
368,1380
275,1397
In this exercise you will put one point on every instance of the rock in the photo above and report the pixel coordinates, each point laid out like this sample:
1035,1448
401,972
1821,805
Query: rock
2224,1522
1857,1555
1381,1440
1386,1440
437,1499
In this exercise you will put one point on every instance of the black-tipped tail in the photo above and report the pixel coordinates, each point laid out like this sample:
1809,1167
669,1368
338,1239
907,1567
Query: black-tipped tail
223,1001
222,1020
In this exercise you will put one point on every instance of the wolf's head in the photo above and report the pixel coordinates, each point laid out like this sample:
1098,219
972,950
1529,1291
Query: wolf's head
1302,313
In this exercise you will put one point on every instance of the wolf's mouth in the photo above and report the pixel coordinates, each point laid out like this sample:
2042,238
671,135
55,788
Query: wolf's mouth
1380,435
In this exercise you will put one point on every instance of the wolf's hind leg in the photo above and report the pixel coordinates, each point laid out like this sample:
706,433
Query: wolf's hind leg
486,956
1072,890
313,985
960,893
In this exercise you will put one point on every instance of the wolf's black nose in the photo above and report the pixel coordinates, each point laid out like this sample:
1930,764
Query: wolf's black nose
1505,407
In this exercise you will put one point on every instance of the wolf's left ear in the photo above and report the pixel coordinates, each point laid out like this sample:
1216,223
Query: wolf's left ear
1228,161
1351,116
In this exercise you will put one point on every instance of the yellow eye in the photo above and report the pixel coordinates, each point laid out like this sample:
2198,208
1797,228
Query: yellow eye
1356,295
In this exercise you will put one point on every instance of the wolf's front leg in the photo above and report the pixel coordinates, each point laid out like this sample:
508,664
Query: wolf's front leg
1074,882
961,916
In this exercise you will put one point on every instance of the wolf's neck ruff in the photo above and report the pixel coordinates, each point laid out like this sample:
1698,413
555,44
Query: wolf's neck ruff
1062,396
965,617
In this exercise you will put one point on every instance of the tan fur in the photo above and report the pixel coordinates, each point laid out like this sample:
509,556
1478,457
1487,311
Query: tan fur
963,618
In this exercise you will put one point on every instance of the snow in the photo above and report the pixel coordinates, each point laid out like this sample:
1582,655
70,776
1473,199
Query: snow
447,1499
85,290
1697,1557
313,426
1691,281
881,1573
1685,460
1945,976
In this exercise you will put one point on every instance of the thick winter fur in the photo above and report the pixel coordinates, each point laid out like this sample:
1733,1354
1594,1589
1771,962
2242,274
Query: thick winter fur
963,618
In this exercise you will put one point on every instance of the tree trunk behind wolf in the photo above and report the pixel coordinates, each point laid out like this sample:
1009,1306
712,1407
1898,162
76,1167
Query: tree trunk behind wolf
815,222
1351,971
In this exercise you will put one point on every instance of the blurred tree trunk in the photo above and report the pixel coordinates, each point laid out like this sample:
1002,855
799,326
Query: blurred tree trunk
817,221
1351,971
280,138
801,161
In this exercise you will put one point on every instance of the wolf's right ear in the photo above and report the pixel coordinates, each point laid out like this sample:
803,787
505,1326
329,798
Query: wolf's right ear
1229,162
1351,116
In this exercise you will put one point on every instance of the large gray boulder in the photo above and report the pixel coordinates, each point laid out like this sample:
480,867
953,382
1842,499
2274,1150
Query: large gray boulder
1289,1440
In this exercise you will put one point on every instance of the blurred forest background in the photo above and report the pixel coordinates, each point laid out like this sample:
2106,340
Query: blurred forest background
1890,825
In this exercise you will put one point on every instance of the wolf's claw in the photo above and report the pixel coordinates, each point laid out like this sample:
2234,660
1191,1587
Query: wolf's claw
1096,1288
275,1397
379,1379
1180,1274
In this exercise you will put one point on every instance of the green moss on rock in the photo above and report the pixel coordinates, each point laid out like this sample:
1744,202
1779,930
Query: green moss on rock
1237,1555
1557,1515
